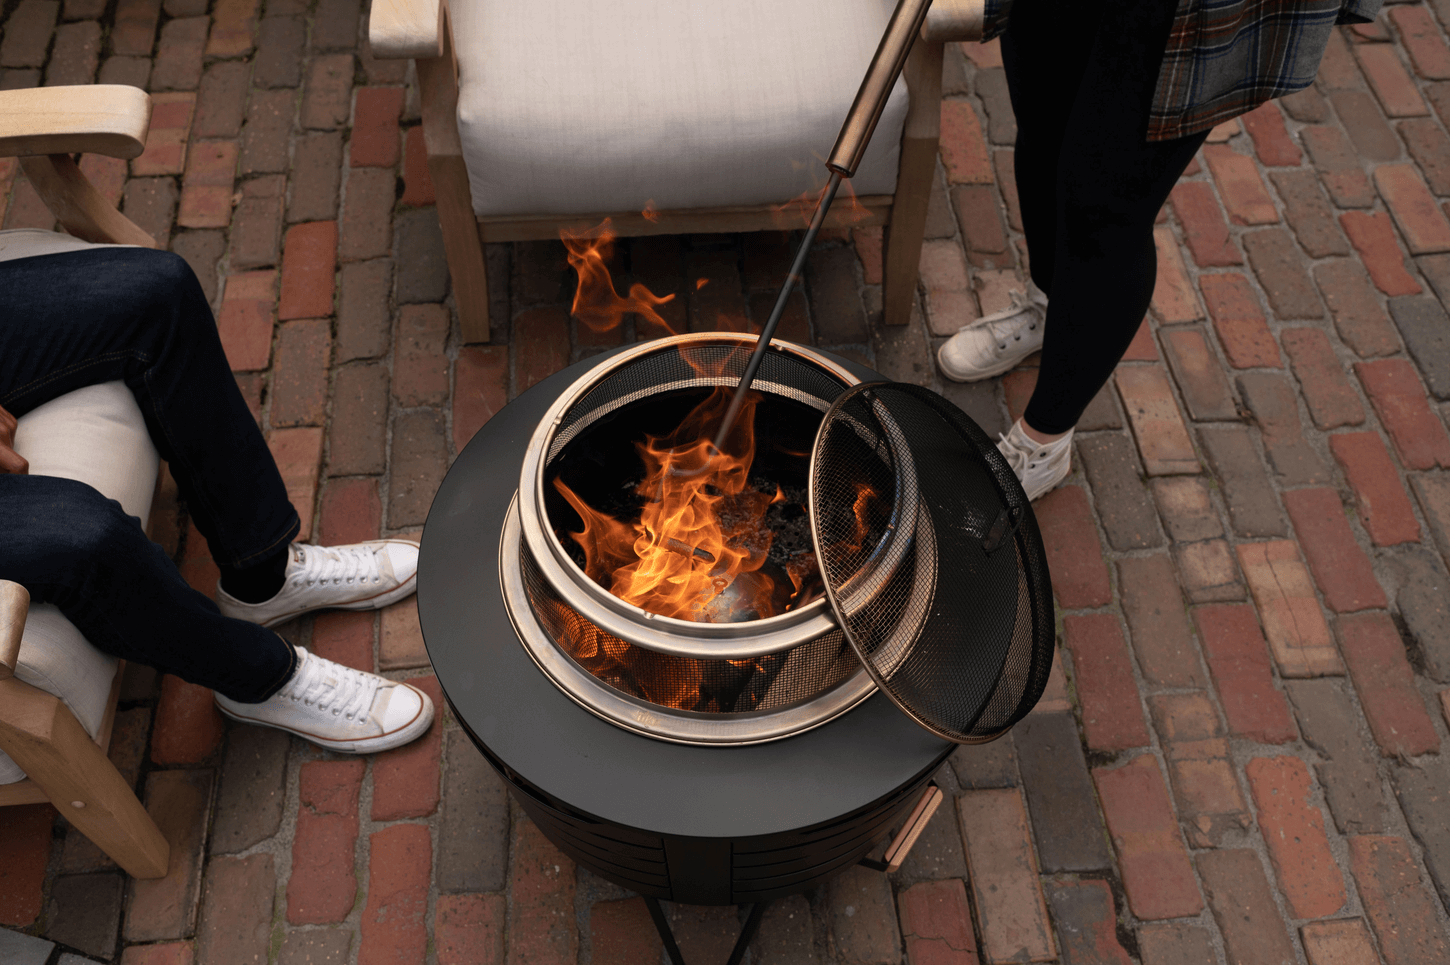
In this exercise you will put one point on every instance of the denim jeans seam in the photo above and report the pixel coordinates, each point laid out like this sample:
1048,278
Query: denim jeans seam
71,369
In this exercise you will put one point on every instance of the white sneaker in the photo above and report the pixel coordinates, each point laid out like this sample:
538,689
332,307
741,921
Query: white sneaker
1038,467
360,576
339,708
995,343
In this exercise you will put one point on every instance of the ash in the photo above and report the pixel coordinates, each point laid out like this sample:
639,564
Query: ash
788,520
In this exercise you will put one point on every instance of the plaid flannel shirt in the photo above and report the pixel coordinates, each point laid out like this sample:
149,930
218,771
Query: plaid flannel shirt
1226,57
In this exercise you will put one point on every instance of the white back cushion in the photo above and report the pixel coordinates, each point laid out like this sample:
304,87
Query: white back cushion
575,108
94,435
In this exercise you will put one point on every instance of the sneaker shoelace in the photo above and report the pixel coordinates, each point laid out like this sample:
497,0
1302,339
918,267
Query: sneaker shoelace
338,565
331,686
1022,317
1021,459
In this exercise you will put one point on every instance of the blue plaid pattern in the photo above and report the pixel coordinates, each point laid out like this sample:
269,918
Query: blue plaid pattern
1226,57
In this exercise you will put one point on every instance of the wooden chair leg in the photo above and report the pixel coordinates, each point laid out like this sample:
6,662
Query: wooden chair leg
462,243
41,734
917,168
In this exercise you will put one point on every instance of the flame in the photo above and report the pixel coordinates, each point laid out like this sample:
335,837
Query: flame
864,494
701,283
698,547
596,303
802,206
854,211
846,208
650,212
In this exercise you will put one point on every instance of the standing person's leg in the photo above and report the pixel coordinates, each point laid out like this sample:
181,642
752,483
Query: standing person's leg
1112,182
1045,53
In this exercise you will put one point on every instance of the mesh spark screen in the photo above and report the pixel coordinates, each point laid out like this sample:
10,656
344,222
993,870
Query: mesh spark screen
933,560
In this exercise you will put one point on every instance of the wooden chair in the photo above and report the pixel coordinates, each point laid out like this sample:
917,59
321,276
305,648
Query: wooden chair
425,31
96,435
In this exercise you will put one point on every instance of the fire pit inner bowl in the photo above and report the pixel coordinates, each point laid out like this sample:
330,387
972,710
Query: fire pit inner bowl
759,663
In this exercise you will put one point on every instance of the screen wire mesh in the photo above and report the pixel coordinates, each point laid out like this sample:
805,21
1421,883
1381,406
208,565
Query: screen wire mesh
932,559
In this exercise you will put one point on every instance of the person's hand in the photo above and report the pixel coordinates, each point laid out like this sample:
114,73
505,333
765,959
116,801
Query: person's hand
10,460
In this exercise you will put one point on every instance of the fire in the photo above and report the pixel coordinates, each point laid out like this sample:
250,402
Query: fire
596,303
699,547
846,208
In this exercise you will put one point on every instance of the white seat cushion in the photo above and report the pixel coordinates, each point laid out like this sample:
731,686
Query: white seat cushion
95,435
30,242
576,108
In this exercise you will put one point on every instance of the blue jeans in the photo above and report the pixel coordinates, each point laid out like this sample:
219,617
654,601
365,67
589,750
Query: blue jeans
85,317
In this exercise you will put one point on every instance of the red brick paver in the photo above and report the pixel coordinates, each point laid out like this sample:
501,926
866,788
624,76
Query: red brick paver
1294,338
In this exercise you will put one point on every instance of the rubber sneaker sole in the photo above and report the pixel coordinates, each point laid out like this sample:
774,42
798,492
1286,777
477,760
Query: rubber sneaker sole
1000,368
410,731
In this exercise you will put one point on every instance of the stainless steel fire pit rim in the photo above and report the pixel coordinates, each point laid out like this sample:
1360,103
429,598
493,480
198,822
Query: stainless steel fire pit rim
710,641
640,717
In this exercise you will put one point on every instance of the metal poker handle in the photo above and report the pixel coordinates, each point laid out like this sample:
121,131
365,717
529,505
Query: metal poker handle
845,157
885,67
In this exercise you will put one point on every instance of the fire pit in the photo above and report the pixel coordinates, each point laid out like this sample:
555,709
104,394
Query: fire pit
725,762
681,645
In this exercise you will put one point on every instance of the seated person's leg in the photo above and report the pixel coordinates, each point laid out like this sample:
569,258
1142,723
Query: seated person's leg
70,546
80,318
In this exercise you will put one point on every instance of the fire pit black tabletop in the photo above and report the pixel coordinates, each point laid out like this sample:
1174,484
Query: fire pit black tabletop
525,724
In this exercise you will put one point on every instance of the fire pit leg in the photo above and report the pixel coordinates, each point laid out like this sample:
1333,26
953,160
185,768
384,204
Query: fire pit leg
752,925
662,925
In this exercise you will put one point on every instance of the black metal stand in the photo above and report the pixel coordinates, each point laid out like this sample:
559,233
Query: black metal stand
896,852
662,925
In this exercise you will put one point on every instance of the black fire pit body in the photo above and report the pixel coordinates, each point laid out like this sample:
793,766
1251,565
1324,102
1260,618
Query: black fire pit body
693,824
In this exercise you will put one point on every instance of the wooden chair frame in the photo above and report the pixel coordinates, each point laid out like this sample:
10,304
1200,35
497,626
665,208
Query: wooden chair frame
420,29
64,765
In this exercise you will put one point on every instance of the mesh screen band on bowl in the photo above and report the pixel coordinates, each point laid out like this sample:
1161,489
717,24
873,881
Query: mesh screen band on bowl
932,560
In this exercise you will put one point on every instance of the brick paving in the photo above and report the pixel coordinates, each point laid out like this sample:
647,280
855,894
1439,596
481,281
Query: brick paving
1240,756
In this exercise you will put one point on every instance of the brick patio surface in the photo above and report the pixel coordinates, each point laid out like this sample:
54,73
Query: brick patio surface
1240,758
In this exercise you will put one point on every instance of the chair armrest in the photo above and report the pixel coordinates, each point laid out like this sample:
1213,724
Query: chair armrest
406,28
954,20
14,605
108,119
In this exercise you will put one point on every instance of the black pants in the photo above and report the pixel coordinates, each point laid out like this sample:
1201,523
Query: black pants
81,318
1081,77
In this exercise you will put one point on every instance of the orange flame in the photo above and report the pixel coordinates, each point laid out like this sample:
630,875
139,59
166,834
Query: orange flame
698,547
650,212
596,303
846,209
